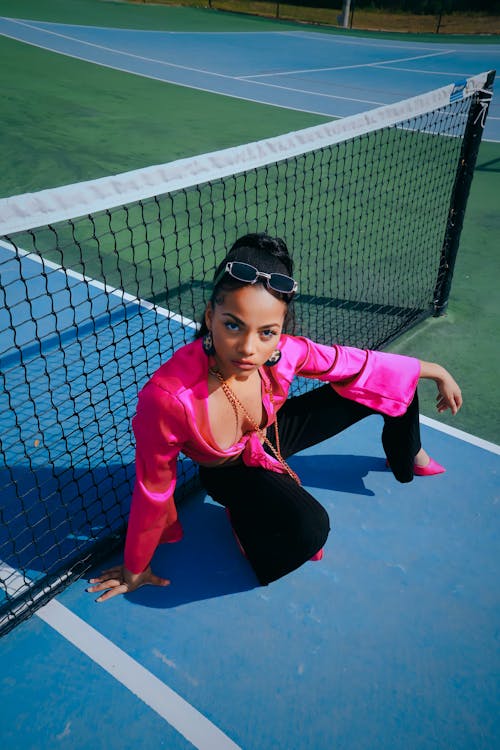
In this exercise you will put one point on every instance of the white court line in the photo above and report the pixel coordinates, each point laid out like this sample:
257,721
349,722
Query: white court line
204,71
251,78
168,704
111,290
338,67
207,89
424,72
117,52
195,87
461,435
325,96
321,36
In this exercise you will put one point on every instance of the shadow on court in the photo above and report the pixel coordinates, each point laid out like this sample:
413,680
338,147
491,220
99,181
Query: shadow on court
207,563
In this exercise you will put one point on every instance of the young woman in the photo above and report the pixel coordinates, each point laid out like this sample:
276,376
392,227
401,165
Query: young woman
222,400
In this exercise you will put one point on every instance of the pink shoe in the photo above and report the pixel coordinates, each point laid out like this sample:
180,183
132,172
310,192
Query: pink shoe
317,556
429,469
424,471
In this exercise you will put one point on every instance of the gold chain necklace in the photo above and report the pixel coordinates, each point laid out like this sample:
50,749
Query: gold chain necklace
236,404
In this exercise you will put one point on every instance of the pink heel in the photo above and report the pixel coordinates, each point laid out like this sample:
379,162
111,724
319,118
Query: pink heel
429,469
318,556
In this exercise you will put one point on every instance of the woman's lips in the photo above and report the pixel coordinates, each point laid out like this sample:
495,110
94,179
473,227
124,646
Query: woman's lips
242,364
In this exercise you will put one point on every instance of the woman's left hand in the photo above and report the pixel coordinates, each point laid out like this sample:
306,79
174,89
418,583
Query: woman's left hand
120,580
449,394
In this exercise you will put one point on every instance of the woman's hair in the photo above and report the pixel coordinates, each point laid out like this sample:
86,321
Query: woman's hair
267,254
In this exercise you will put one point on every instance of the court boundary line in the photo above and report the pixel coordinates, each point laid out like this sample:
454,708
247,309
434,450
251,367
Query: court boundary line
149,77
119,52
101,285
157,695
153,692
323,35
455,432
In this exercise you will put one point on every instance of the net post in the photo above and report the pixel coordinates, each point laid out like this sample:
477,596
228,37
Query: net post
460,194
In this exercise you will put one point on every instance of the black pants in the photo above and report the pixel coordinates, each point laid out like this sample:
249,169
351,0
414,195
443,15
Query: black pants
279,524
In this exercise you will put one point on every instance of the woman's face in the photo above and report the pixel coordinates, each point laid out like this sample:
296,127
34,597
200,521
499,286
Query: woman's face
246,325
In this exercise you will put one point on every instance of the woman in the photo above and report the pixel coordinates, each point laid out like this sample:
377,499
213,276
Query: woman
217,398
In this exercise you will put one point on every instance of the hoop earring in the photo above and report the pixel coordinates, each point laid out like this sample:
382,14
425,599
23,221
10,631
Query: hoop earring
208,344
274,358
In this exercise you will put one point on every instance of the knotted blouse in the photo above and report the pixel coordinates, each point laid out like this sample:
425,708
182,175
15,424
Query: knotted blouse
172,417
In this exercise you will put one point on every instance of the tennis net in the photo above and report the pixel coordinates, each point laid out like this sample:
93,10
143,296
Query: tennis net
102,281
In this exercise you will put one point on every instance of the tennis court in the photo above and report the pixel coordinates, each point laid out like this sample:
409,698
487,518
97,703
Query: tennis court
324,75
389,642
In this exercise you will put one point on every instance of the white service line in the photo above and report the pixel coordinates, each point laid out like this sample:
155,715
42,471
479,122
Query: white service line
338,67
180,714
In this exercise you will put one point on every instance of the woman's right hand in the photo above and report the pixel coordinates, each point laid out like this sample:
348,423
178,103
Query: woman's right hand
119,580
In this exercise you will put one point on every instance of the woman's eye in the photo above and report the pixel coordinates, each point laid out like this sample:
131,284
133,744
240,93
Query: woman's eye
231,326
268,333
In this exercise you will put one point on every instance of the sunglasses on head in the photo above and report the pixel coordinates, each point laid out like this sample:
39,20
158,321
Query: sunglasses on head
250,275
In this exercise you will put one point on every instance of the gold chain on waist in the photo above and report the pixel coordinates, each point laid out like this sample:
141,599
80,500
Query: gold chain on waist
236,404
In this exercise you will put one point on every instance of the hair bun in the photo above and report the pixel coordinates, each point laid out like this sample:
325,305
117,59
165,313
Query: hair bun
259,247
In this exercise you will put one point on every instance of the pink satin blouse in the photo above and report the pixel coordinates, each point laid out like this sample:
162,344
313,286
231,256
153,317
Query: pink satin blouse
172,417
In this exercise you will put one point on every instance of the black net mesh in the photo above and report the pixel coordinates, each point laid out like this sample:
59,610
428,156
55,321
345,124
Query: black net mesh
92,306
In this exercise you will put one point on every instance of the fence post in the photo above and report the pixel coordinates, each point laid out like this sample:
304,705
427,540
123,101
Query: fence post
346,12
460,193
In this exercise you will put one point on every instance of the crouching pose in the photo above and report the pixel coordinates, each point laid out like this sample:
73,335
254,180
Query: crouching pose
222,401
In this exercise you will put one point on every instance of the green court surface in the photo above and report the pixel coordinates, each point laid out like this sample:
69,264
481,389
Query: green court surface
74,121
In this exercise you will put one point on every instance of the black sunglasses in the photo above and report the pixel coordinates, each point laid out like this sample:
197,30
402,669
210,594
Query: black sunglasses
250,275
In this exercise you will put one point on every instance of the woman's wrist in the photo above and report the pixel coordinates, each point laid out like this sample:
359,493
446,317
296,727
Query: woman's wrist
433,371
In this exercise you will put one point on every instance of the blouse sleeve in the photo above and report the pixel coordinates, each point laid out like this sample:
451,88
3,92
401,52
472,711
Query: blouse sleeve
158,429
383,381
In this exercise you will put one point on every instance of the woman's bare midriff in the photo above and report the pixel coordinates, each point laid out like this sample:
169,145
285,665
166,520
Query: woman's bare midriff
224,461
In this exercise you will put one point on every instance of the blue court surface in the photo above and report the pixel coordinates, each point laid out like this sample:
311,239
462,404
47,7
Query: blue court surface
326,74
391,642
